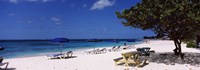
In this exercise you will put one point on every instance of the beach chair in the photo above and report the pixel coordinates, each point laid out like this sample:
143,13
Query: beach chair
96,51
119,61
2,64
130,47
54,56
68,54
145,51
117,49
88,52
103,50
126,47
112,49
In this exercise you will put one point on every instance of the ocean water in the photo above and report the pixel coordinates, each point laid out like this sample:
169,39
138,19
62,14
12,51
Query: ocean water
16,49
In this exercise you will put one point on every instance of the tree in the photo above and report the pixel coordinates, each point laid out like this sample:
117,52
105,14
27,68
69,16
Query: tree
177,19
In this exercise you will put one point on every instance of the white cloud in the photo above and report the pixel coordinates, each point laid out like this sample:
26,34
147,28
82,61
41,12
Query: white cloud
72,5
29,21
13,1
11,14
42,18
58,23
63,0
100,4
42,1
84,5
46,1
32,0
105,30
55,19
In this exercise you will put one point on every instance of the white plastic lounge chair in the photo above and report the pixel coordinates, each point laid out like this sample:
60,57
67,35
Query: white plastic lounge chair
52,56
92,51
88,52
117,49
69,54
103,50
112,49
96,51
2,64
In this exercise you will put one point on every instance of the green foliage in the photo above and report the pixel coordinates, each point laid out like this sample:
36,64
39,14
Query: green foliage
177,19
190,44
192,39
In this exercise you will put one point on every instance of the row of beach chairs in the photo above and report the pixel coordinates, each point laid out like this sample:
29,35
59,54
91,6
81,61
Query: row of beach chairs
104,50
96,51
61,55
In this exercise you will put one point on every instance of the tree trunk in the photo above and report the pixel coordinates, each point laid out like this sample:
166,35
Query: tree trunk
180,51
177,50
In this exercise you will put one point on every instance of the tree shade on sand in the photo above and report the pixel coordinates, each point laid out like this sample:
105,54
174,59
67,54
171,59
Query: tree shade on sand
177,19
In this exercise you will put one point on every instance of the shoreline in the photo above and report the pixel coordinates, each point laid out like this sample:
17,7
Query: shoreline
74,51
81,50
102,61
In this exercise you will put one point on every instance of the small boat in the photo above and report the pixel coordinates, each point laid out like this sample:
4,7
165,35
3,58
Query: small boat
1,48
115,40
130,40
93,40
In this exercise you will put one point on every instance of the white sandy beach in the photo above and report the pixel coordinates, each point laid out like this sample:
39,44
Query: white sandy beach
100,61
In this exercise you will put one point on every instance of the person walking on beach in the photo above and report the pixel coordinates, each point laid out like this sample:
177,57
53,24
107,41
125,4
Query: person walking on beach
124,44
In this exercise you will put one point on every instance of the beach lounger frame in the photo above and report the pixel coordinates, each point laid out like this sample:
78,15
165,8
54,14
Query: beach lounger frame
2,64
67,55
54,56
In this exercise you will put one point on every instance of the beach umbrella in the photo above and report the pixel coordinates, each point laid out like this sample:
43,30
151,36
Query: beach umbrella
60,41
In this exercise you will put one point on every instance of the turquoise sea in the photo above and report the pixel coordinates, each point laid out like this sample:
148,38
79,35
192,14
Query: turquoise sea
16,49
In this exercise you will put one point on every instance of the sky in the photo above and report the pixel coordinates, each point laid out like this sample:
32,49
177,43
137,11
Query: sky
73,19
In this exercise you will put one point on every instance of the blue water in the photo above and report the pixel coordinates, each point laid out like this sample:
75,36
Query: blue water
33,48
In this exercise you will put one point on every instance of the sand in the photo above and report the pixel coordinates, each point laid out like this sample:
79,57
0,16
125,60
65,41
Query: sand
100,61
